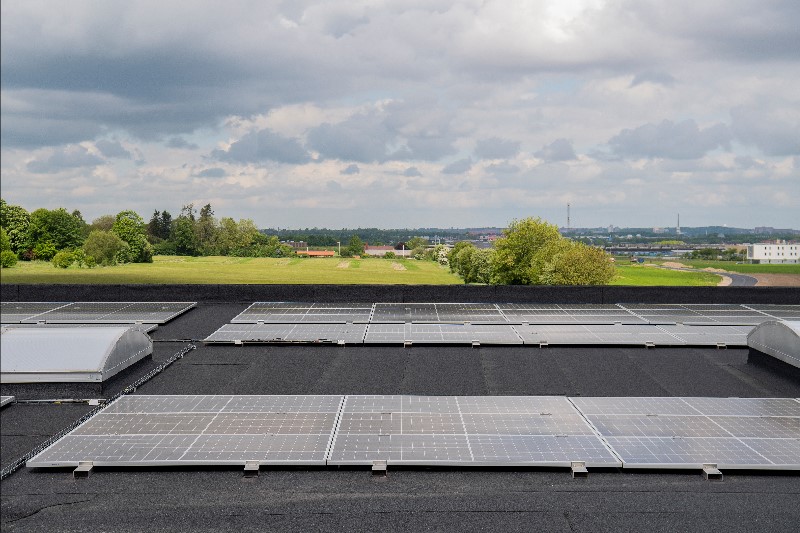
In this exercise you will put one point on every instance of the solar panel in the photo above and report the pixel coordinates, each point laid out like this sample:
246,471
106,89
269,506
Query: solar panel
304,312
144,328
471,431
115,312
690,432
5,400
404,312
16,312
441,334
595,334
709,335
197,430
278,333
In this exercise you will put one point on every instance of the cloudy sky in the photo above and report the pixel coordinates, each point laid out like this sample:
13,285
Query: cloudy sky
406,113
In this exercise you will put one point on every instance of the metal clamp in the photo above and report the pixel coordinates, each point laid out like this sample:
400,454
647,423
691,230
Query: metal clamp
711,472
379,468
579,469
84,469
251,468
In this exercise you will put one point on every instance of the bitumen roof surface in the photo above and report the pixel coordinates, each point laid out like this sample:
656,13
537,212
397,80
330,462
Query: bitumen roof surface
407,499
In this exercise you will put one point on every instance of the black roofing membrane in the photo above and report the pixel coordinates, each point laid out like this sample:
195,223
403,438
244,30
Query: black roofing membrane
351,499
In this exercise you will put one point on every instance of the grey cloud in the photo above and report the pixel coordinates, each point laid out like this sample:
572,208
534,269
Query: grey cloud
333,186
458,167
180,142
772,133
360,138
656,77
496,148
112,149
213,172
558,150
682,140
504,168
261,146
70,157
350,170
412,172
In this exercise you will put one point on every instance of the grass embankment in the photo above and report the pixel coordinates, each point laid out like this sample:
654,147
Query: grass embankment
732,266
651,276
239,270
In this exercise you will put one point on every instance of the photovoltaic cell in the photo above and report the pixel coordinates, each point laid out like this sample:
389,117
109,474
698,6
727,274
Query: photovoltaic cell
16,312
196,430
441,334
278,333
709,335
595,334
304,312
115,312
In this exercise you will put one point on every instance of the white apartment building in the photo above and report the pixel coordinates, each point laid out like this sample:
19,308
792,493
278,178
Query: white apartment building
773,253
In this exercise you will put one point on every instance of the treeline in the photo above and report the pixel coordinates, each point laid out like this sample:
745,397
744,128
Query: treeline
532,252
66,239
373,236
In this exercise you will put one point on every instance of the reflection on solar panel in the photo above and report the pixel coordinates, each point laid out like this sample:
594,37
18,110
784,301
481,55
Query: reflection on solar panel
199,430
690,432
277,333
15,312
5,400
297,312
114,312
468,431
640,335
441,333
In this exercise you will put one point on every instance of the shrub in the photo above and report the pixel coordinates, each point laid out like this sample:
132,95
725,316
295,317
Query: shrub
106,248
8,258
63,259
390,255
44,250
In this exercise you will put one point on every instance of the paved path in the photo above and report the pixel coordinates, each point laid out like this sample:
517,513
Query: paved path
737,280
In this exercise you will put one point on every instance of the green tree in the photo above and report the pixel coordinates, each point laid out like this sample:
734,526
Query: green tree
480,267
575,263
416,242
102,223
104,247
14,219
452,255
51,231
207,230
515,251
130,227
184,237
356,246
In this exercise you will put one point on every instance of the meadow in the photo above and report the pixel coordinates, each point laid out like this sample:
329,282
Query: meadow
240,270
245,270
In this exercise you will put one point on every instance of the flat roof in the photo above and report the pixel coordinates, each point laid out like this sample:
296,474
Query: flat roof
350,499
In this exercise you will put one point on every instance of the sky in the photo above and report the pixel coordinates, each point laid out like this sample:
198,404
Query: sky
406,113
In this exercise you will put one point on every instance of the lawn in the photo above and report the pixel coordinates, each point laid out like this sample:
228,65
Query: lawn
649,275
240,270
732,266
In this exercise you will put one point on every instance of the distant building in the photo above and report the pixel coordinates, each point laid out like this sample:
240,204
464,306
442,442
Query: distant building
316,253
780,252
379,251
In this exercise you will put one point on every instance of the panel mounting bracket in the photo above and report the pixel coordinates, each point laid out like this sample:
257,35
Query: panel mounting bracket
238,342
251,468
406,344
84,469
543,344
711,472
340,342
476,344
649,344
579,469
722,346
379,468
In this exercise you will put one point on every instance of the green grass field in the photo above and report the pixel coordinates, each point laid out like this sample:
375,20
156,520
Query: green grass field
731,266
652,276
240,270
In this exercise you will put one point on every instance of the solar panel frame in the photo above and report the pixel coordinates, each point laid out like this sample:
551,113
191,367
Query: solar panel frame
18,312
6,400
616,334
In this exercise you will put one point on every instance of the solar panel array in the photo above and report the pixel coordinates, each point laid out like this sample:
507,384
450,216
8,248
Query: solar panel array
144,328
489,323
92,312
752,433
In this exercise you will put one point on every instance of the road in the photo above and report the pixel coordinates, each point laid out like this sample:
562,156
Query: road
737,280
